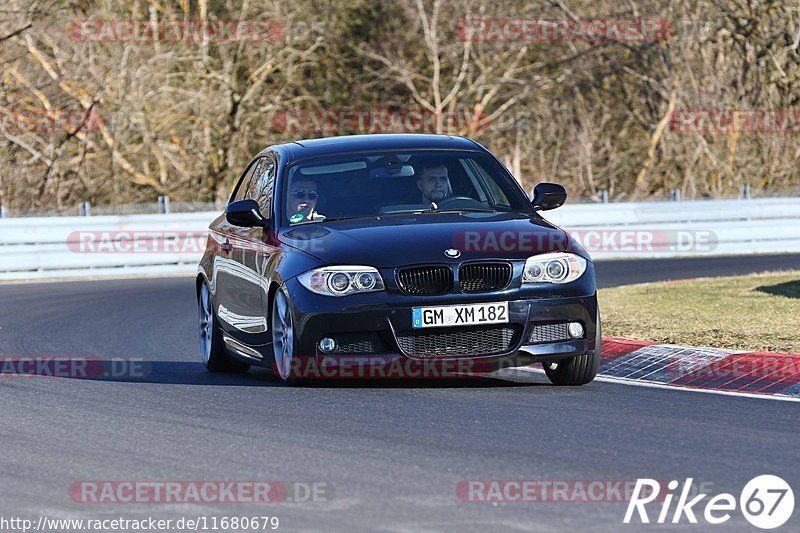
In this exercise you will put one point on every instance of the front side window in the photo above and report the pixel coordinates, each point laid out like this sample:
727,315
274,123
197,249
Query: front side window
362,185
265,185
246,185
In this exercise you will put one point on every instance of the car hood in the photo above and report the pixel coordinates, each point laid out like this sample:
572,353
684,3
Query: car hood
397,240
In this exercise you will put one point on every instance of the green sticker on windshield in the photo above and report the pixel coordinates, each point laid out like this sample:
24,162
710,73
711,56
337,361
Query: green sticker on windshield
297,217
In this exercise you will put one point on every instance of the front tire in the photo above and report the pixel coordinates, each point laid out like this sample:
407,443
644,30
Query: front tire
212,347
578,370
283,338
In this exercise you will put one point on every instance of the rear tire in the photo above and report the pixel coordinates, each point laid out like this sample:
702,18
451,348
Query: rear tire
578,370
212,347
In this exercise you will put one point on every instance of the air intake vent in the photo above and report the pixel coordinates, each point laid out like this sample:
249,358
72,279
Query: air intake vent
426,280
484,277
358,343
458,342
548,333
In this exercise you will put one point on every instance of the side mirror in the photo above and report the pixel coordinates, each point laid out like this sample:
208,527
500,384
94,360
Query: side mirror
548,196
245,213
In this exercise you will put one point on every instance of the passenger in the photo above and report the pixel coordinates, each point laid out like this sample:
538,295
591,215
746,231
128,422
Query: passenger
302,201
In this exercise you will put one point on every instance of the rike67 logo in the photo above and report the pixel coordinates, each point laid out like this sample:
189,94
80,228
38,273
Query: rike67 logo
766,502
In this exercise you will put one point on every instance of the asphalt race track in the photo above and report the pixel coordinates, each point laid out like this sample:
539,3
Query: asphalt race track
623,272
391,454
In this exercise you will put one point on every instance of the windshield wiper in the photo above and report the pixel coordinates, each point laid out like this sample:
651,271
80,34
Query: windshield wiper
459,210
403,212
335,219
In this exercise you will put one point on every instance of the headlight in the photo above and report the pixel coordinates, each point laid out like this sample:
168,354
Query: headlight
342,280
558,267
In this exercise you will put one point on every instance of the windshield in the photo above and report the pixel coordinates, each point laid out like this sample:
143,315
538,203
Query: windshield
365,185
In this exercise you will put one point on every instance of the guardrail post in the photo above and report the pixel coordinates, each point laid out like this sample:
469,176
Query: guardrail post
85,209
746,192
676,195
163,204
604,196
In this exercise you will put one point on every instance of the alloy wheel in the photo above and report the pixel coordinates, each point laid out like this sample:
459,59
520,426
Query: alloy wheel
205,323
282,335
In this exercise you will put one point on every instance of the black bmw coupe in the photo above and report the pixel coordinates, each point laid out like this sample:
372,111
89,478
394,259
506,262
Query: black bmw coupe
414,254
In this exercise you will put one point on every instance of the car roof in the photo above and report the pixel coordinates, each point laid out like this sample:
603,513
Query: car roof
344,144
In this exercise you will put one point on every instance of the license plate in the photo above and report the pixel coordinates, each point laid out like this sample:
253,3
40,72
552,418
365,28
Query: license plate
459,315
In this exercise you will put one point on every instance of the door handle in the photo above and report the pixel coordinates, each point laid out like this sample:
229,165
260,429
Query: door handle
227,247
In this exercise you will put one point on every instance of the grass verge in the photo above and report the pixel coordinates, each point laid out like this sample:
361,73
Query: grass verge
760,312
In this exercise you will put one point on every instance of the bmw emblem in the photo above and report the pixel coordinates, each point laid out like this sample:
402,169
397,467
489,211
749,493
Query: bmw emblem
452,253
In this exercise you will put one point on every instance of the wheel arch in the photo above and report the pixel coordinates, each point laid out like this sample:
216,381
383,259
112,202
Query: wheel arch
198,282
273,288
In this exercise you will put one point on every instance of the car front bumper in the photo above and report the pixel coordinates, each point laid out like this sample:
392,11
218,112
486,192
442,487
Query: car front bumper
375,329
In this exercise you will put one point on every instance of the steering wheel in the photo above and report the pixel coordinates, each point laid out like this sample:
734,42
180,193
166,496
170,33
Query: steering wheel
471,202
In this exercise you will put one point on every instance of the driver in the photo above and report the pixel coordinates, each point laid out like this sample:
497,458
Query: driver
434,182
303,201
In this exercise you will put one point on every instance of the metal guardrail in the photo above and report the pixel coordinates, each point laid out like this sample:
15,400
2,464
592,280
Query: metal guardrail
704,227
47,247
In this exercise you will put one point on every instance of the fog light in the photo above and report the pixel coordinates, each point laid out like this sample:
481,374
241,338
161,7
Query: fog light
575,330
327,345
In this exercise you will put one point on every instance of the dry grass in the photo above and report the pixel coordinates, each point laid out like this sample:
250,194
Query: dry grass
759,312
